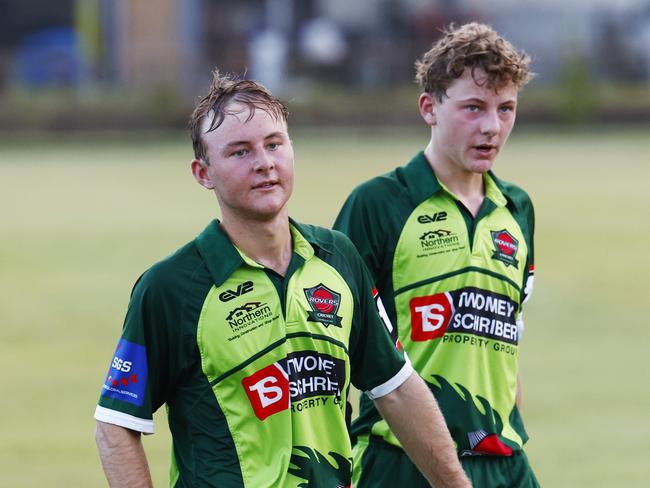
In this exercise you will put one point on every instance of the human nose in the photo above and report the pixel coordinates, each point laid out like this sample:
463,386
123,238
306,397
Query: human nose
263,161
490,123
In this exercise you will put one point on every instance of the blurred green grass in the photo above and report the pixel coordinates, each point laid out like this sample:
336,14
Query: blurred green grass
83,216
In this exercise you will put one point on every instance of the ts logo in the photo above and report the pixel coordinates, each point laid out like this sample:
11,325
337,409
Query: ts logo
267,390
430,316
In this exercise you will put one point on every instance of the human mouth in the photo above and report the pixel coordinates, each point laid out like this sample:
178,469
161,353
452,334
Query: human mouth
265,185
486,150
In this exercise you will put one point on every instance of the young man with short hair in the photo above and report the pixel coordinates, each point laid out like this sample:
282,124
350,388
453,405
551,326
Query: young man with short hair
252,333
450,248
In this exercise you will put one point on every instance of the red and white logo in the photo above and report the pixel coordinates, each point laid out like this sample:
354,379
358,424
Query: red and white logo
267,390
430,316
505,247
324,304
506,243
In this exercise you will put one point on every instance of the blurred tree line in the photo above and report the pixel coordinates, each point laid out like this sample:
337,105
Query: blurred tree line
127,64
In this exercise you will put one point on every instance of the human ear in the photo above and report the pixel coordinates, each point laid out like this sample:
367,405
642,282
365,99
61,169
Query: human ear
200,172
427,106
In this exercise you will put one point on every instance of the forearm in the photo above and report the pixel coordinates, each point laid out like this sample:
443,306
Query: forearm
415,419
122,456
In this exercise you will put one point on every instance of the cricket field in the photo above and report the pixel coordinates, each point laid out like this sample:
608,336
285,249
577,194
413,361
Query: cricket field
83,216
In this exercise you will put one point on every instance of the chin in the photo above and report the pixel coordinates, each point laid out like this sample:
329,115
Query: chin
268,212
481,166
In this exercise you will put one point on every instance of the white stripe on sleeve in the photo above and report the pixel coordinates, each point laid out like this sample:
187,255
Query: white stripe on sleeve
114,417
393,383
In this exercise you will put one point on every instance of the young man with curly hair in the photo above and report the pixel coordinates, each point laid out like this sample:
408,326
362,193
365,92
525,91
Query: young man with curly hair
450,248
252,333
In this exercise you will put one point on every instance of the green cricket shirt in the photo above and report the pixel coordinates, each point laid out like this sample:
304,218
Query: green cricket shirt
254,368
453,285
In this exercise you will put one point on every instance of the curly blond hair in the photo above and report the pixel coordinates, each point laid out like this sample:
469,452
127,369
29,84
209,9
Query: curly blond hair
223,91
471,46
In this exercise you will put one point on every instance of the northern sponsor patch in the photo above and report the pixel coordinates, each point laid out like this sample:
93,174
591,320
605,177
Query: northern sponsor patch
127,375
505,247
249,317
439,241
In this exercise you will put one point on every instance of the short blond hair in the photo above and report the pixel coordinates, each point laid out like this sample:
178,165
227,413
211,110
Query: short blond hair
471,46
223,90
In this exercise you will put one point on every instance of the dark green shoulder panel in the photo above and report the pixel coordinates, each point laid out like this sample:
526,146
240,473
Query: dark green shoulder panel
165,306
176,280
370,216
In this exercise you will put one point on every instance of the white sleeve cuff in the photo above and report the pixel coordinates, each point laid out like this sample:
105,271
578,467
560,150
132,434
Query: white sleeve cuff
114,417
393,383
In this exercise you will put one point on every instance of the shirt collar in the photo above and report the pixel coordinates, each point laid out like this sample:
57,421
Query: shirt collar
222,257
423,183
420,179
219,254
492,191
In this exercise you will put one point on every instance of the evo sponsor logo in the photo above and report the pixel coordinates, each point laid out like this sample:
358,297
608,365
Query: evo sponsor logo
430,219
469,310
324,304
249,317
302,380
505,248
127,375
243,288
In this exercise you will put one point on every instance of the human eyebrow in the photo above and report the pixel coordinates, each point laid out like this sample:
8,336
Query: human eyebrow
471,100
508,105
273,135
234,144
233,147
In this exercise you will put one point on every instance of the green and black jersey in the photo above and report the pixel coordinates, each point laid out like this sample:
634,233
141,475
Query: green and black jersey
254,368
453,285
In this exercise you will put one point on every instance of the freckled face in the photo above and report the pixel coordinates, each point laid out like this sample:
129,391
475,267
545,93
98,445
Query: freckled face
250,164
472,125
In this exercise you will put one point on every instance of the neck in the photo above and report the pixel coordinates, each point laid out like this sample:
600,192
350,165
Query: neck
268,243
466,185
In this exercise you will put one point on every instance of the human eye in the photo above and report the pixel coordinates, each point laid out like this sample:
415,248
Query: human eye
471,107
238,153
507,108
274,144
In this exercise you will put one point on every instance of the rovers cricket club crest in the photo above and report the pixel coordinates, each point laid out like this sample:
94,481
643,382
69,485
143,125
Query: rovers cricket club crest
324,304
505,247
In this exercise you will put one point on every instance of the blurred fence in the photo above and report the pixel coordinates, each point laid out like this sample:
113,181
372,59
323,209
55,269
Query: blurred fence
128,64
